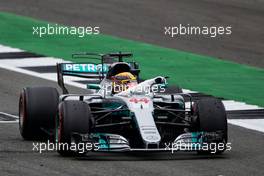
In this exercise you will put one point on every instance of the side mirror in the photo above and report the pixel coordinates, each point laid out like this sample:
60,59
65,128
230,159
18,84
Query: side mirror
93,86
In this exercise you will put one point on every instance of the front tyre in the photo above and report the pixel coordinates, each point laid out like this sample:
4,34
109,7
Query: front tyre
73,117
211,117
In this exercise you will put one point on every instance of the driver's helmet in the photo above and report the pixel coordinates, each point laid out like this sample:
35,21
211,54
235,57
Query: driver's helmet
123,81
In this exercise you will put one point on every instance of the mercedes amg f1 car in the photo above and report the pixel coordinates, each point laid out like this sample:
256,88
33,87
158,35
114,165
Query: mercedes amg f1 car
134,118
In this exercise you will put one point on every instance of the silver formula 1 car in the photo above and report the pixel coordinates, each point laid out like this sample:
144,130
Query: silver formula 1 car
139,116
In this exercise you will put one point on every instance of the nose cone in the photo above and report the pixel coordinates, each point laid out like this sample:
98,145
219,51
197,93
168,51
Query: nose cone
150,134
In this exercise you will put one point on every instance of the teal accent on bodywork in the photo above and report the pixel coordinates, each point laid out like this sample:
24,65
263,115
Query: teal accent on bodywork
182,105
85,68
103,144
196,137
112,105
197,140
101,137
164,85
93,86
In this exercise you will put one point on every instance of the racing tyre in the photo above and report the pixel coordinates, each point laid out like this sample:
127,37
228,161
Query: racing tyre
73,117
37,111
211,117
173,90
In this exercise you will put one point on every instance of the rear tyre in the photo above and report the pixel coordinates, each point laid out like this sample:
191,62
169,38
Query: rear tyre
73,117
211,117
37,110
173,90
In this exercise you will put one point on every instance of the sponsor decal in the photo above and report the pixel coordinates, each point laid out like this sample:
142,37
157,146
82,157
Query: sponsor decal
138,100
85,68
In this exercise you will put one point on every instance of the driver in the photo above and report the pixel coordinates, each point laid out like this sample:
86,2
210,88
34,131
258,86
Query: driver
123,81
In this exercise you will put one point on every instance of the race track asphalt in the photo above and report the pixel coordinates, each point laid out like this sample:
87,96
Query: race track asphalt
17,158
144,21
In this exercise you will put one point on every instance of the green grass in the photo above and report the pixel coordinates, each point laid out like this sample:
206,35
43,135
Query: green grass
201,73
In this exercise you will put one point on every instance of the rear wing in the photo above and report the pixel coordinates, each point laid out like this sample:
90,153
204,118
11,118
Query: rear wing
114,57
92,70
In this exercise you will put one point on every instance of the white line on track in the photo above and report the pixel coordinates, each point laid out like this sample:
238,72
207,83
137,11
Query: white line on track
188,91
6,122
231,105
4,49
35,74
252,124
9,115
32,62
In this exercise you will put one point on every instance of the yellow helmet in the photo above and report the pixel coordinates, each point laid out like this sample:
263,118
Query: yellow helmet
123,81
124,77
